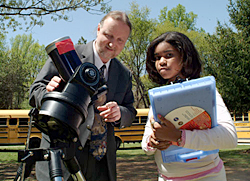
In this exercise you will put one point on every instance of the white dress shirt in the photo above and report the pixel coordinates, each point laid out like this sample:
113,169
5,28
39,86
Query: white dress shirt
99,63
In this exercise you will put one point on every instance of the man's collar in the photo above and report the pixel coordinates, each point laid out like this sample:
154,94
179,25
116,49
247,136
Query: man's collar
98,61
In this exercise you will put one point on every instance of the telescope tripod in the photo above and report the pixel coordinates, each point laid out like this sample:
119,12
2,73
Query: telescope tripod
55,156
60,151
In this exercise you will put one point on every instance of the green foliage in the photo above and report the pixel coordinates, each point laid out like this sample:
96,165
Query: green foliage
163,14
20,65
179,17
144,31
82,40
148,84
32,11
228,58
239,15
229,63
134,53
225,54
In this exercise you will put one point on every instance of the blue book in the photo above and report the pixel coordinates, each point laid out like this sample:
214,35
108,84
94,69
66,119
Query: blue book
188,105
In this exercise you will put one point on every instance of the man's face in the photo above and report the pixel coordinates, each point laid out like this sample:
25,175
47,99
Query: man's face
111,38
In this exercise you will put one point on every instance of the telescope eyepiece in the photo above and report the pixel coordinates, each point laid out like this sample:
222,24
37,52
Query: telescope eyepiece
90,73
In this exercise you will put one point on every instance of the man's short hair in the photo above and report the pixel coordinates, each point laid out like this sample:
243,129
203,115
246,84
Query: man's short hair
118,15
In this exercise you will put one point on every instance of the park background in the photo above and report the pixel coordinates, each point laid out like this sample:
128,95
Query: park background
219,29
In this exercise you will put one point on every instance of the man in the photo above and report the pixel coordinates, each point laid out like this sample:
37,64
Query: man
112,34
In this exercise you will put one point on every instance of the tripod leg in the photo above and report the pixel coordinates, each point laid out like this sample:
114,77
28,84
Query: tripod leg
75,169
23,171
55,165
19,172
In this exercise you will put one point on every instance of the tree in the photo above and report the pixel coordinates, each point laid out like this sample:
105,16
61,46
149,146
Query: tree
19,67
144,30
32,11
179,17
3,73
239,15
228,59
134,53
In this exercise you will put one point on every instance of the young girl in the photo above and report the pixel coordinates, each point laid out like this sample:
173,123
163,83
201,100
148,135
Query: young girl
172,57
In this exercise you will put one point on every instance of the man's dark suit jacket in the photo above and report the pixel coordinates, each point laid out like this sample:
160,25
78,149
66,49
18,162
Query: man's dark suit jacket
119,89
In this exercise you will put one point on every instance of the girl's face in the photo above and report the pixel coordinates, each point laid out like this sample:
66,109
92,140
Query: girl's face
168,61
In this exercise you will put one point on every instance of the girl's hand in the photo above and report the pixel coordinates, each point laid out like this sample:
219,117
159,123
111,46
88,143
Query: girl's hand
161,145
165,131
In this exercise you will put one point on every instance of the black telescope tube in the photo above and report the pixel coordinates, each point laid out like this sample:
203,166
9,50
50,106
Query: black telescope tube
64,56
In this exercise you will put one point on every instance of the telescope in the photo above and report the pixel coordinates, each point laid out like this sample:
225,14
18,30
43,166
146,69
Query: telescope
62,112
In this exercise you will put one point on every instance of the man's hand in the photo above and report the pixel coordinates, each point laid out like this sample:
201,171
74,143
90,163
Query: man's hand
110,112
54,83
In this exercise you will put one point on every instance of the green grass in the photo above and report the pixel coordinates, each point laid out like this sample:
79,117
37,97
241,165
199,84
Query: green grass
232,158
12,147
238,156
9,157
133,152
130,152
